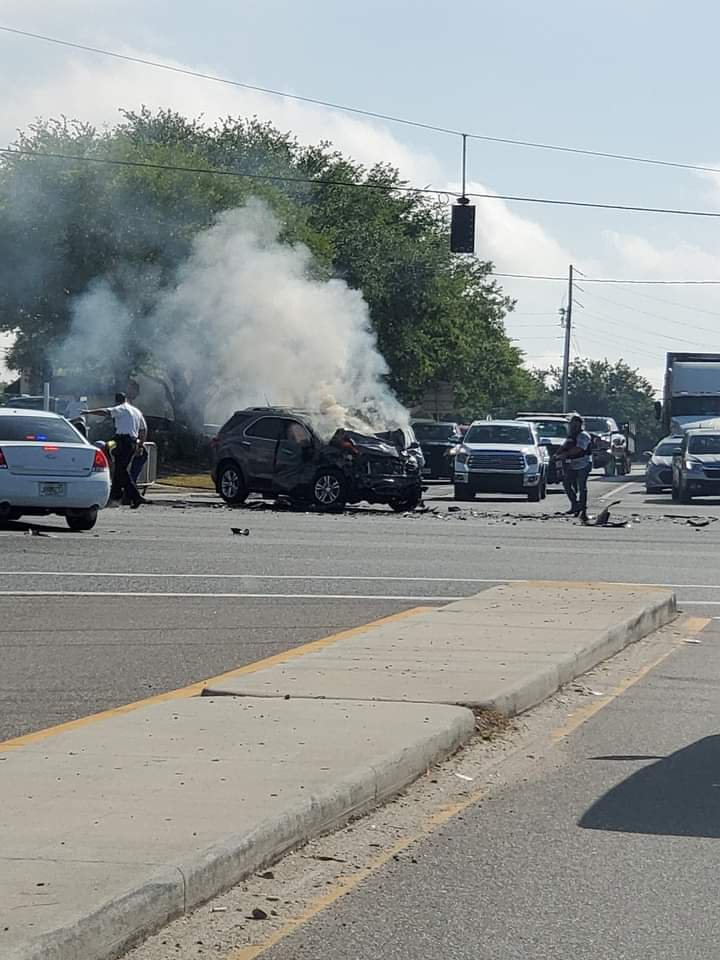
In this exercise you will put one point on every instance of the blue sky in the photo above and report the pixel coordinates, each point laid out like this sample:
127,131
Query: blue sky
634,77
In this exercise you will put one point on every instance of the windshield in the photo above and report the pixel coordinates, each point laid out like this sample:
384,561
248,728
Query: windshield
667,449
695,406
551,428
709,444
435,432
599,425
498,433
40,429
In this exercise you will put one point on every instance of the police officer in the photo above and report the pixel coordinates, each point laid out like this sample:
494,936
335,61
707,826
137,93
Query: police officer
130,436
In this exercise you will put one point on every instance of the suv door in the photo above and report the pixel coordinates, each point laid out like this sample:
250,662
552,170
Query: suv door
259,443
294,458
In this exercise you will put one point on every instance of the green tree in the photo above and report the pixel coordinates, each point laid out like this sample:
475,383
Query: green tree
66,225
601,388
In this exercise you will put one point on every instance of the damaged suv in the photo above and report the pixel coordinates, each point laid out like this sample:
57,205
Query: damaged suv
277,452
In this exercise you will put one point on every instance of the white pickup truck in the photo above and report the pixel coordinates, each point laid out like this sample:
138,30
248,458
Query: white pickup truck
500,456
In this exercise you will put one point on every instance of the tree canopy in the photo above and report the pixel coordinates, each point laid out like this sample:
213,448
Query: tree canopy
68,223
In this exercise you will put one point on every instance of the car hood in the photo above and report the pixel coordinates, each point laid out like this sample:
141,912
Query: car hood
368,445
707,459
499,448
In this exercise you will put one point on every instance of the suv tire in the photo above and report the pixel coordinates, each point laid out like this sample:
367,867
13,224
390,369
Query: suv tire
329,490
535,495
230,483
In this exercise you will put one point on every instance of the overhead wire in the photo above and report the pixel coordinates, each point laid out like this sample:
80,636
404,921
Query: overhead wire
372,114
319,181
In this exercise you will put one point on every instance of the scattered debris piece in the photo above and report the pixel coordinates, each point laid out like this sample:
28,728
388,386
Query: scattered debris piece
268,875
240,532
691,640
37,533
258,914
326,859
463,776
604,515
454,509
218,910
703,522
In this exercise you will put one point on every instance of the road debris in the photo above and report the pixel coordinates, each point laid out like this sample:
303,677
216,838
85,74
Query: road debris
37,533
240,531
604,516
463,776
258,914
691,640
704,522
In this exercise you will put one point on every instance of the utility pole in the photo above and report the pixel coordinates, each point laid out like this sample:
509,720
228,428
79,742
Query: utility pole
568,331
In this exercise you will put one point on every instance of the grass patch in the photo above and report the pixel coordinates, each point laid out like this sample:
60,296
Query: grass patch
202,481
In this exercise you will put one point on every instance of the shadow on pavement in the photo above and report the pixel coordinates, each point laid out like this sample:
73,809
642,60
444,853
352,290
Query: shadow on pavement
36,529
678,796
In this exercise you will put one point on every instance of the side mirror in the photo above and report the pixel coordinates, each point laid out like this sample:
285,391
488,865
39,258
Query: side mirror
658,409
647,454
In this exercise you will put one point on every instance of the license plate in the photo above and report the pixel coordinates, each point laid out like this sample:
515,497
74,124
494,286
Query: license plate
52,489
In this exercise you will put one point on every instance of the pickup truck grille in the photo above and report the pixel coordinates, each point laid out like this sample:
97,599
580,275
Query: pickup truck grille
496,461
712,473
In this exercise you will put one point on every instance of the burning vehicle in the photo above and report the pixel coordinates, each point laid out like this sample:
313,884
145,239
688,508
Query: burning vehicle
276,452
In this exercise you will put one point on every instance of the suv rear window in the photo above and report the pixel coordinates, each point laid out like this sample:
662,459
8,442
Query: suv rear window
40,429
266,428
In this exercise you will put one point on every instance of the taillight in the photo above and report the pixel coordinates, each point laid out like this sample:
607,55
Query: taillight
100,461
3,463
50,448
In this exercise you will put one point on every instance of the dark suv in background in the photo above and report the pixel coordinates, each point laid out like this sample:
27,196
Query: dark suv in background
278,452
437,439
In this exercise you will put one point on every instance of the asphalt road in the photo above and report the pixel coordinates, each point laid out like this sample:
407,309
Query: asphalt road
165,596
605,847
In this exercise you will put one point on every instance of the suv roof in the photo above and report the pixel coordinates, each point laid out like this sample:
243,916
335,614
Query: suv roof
545,416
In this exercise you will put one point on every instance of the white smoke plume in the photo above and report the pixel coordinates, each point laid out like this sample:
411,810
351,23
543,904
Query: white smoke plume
248,323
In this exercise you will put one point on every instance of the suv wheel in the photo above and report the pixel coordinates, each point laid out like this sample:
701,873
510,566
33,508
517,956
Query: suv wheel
328,490
230,483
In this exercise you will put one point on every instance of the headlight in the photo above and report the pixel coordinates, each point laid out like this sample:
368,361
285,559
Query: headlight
531,459
693,466
462,457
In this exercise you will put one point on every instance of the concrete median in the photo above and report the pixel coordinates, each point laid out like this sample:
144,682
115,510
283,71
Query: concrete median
110,829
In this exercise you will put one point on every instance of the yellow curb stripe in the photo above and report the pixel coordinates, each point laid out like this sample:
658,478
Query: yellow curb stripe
195,689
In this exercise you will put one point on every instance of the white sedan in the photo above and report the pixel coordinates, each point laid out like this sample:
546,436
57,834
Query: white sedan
46,466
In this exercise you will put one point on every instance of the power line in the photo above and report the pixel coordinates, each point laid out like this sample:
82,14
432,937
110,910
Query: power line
157,64
540,276
675,303
218,171
653,316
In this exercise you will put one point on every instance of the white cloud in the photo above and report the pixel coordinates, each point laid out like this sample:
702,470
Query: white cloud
95,91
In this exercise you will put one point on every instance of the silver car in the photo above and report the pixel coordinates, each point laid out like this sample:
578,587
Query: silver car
658,473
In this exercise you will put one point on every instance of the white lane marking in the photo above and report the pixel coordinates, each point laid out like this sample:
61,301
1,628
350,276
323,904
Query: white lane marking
701,603
617,490
253,576
221,596
334,578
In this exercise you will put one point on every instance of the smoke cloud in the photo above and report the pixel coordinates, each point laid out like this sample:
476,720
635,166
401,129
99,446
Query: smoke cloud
247,322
